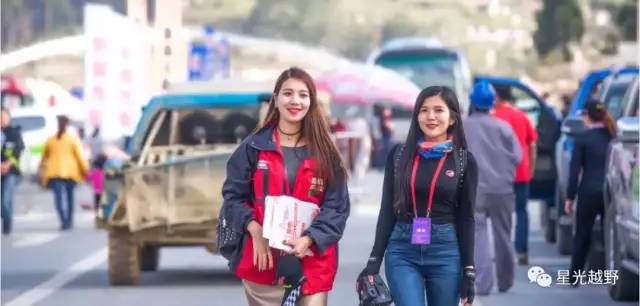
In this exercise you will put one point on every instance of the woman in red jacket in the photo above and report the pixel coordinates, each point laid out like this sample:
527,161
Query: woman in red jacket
291,154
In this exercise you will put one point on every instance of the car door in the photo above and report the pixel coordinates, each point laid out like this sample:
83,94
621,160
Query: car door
628,202
547,125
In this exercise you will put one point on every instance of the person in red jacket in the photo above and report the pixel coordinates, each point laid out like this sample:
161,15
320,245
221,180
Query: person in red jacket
527,137
290,154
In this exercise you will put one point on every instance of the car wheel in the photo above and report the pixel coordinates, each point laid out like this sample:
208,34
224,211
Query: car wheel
564,230
124,257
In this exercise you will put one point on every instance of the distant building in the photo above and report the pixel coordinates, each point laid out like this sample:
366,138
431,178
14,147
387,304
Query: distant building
168,48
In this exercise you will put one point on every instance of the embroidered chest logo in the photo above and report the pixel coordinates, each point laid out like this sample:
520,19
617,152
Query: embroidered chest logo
450,173
263,165
316,187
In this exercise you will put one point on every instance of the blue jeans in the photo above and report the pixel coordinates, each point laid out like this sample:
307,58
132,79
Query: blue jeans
434,269
7,193
64,208
522,217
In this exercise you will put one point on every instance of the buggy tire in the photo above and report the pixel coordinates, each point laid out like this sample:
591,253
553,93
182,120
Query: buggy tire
124,258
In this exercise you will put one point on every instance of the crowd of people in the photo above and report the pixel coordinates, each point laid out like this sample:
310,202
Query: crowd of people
442,187
63,166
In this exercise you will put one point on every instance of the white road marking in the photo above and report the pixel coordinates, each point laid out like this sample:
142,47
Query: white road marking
33,216
549,261
34,239
39,216
53,284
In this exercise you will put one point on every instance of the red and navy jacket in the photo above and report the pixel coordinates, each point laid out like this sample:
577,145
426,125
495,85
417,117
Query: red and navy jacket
255,170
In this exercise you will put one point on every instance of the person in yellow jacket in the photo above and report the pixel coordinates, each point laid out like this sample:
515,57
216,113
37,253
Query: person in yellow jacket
62,167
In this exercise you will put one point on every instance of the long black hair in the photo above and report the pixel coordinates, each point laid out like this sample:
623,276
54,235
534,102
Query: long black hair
410,145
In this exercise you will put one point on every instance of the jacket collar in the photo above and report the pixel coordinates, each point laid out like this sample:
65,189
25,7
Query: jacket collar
262,140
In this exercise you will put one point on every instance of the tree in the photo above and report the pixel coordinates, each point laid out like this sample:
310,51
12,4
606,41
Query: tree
627,20
559,23
398,26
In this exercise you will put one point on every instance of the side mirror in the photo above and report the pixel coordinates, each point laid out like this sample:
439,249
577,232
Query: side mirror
573,126
627,129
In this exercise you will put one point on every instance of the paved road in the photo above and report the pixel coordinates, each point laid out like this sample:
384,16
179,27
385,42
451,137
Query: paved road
43,266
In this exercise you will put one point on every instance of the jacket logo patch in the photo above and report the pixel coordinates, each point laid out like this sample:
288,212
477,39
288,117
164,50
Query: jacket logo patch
450,173
263,165
316,187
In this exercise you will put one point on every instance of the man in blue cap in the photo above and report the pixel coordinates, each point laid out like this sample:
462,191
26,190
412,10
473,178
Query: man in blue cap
497,152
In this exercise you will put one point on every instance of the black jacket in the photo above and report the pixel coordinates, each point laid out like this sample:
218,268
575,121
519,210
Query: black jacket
12,147
589,155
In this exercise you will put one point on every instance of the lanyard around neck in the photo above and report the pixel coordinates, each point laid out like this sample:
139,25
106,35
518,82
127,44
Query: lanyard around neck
434,180
286,175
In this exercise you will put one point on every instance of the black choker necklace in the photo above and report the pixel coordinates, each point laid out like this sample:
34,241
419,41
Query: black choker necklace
289,134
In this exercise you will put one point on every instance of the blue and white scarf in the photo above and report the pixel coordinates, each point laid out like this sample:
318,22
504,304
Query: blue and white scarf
431,150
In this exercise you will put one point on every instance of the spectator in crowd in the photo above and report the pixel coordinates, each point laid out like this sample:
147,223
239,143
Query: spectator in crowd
62,167
12,147
527,136
497,153
586,179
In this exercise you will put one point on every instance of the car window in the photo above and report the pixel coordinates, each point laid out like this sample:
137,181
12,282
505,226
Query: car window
424,69
634,108
28,123
528,104
596,90
12,100
614,97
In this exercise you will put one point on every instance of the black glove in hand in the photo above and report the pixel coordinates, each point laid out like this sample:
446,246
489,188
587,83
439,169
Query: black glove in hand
373,266
467,288
290,271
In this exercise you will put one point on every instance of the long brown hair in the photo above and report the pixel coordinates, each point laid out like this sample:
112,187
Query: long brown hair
315,128
597,112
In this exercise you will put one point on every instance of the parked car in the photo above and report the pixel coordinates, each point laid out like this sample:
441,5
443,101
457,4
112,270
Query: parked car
621,221
547,124
609,86
168,194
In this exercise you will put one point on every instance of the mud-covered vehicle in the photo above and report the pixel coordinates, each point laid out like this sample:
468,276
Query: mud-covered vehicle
169,192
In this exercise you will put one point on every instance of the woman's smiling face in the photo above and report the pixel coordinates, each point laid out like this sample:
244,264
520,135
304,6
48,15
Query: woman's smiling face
434,119
293,101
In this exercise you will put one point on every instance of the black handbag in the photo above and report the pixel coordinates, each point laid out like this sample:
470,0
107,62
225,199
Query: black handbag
229,241
372,291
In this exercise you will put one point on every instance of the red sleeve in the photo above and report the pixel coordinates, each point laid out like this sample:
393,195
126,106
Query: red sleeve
532,134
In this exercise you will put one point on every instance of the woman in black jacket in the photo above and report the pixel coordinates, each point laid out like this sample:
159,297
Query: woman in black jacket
589,156
12,147
426,221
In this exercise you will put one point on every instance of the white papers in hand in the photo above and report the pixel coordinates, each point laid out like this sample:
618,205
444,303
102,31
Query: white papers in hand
286,218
